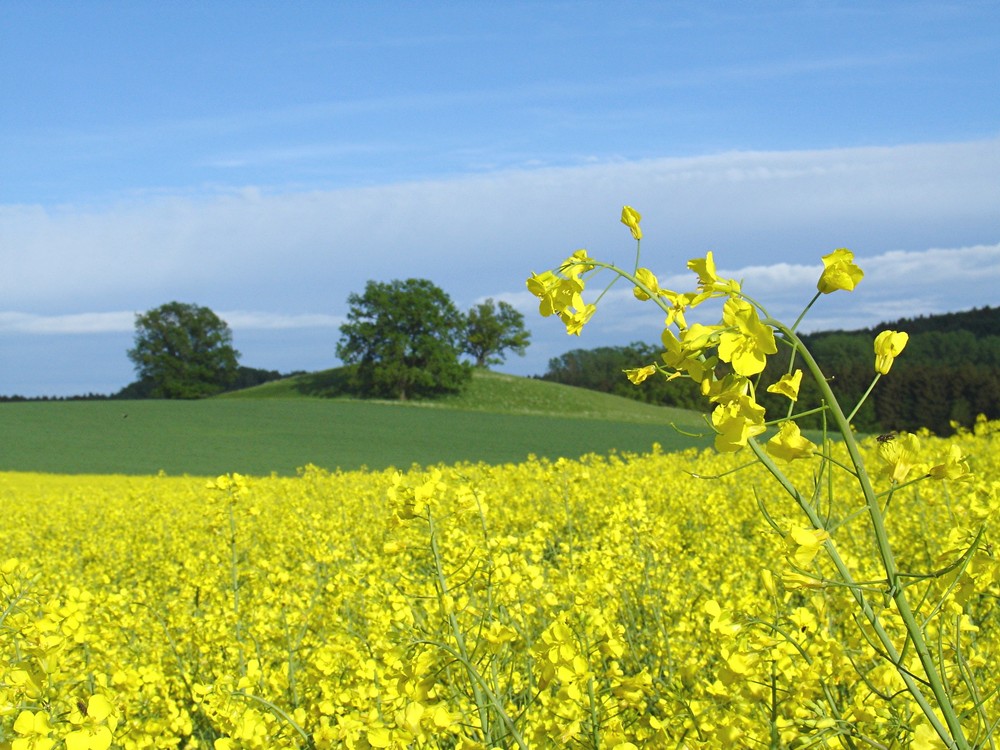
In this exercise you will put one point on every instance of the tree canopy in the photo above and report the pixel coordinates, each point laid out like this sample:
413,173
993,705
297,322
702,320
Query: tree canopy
405,338
183,351
491,329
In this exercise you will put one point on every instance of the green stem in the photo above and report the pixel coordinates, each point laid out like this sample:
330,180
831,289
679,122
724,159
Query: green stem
864,398
235,574
281,714
632,278
482,695
858,593
805,310
953,735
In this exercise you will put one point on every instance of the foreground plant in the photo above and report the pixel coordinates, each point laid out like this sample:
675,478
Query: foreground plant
913,619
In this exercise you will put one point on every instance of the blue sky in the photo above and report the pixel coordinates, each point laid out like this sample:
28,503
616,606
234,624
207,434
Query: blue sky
267,159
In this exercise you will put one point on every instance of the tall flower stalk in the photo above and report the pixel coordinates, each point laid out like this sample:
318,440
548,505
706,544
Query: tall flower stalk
728,360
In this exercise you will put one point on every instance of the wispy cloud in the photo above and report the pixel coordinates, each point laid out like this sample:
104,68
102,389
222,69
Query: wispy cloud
271,321
77,323
288,260
119,322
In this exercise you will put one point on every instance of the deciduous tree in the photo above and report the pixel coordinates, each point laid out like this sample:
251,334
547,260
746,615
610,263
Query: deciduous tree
405,338
183,351
491,329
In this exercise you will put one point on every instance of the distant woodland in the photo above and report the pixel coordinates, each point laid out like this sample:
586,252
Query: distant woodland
949,372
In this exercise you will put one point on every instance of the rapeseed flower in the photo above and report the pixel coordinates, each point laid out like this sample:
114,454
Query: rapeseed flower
955,466
648,280
888,346
708,279
804,544
624,561
735,422
839,272
639,374
679,303
576,320
746,341
631,219
95,725
35,731
788,385
789,444
898,453
577,264
557,293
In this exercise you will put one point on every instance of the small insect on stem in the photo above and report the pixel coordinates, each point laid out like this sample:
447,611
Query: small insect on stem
886,437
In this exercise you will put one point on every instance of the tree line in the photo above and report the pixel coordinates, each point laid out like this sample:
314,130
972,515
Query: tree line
949,372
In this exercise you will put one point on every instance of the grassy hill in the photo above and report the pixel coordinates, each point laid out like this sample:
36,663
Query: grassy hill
490,392
280,426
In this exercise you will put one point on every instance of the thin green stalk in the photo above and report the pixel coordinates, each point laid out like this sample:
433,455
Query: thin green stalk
235,575
953,736
478,680
595,718
482,695
861,401
805,310
857,591
278,712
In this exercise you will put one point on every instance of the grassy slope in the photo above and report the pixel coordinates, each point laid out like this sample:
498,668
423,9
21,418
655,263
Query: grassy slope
273,428
493,392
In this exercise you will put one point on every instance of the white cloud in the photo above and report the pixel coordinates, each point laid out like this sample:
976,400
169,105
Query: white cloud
118,322
282,261
267,321
77,323
476,236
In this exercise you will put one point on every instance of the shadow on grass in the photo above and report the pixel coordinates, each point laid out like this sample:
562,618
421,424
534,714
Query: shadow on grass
326,384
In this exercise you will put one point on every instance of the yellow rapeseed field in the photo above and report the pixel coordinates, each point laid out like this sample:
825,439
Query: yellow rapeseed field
661,600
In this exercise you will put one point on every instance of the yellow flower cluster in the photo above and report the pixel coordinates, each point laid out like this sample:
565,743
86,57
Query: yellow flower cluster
615,602
724,358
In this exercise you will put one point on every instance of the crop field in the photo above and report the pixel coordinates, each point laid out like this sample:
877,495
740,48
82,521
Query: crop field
624,601
272,430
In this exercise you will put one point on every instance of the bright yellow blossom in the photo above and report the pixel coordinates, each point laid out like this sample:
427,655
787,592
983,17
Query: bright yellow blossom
35,731
539,284
839,272
898,453
639,374
631,219
788,385
955,466
648,280
557,293
792,581
789,444
576,320
686,354
888,346
737,421
746,342
804,544
95,725
578,263
926,738
679,302
708,279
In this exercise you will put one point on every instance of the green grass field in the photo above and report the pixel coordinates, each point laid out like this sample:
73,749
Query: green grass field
280,426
